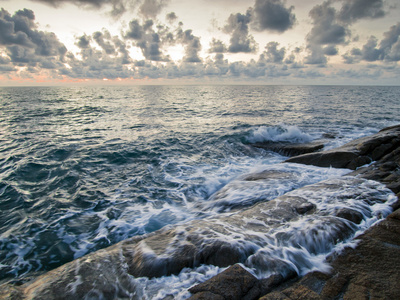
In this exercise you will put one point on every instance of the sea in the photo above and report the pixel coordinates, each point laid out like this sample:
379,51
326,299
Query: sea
83,168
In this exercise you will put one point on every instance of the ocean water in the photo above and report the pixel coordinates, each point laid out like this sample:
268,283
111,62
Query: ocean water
82,168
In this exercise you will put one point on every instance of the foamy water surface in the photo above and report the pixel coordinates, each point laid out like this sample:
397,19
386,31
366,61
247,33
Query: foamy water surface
84,168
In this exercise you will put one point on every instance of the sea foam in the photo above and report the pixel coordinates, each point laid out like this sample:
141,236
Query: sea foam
280,133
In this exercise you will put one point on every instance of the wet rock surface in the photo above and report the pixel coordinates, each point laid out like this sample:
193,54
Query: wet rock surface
291,149
261,237
370,270
356,153
250,237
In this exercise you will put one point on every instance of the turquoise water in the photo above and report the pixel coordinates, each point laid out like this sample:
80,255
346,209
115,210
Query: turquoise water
83,168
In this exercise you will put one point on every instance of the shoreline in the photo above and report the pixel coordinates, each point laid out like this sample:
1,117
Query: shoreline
118,263
370,269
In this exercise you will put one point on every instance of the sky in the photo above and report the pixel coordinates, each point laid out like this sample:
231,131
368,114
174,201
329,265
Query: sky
56,42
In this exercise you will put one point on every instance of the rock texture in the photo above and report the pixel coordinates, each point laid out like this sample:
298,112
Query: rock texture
368,271
356,153
291,149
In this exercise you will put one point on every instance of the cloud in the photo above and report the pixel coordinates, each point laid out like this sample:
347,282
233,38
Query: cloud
217,46
326,29
327,32
171,17
148,40
316,56
272,15
83,41
192,46
390,45
388,49
102,40
273,54
151,8
98,64
369,51
354,10
331,28
147,8
118,7
330,50
135,31
241,40
25,45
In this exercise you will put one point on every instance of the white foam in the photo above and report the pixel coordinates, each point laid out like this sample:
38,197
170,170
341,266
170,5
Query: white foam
175,285
243,191
280,243
280,133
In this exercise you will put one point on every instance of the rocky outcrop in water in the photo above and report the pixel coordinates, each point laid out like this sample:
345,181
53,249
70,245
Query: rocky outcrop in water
255,238
356,153
291,149
371,269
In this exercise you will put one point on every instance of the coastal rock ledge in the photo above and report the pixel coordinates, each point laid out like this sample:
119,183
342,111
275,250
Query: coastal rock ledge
369,270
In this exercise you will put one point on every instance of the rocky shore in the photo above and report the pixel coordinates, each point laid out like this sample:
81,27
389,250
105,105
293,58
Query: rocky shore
367,271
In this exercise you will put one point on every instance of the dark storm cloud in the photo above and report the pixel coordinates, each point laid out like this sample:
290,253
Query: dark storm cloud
353,10
272,15
238,26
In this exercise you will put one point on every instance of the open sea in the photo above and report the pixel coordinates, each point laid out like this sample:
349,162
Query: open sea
82,168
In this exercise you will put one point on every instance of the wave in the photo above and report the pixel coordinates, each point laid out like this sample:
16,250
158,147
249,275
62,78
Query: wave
280,133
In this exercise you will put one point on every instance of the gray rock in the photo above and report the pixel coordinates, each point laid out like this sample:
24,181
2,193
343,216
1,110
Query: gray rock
234,283
247,236
291,149
356,153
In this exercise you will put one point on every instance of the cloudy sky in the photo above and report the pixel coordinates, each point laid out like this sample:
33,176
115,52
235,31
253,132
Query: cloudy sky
201,41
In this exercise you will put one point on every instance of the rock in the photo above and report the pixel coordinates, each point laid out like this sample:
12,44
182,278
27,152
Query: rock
370,271
268,284
291,149
248,237
356,153
234,283
305,208
332,158
206,296
350,214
